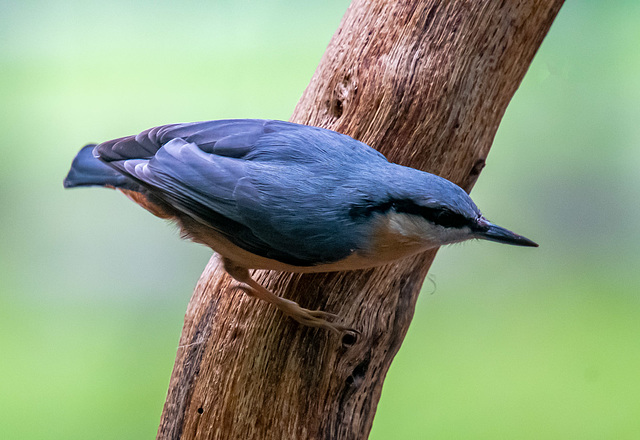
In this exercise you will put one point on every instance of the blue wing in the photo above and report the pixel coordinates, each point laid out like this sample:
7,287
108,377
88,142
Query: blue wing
274,188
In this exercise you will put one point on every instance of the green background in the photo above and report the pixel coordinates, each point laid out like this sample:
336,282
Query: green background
506,343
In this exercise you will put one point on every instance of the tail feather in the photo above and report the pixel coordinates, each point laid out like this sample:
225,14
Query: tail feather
88,170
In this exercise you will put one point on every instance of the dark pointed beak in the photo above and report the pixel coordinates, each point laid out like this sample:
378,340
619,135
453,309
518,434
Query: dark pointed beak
489,231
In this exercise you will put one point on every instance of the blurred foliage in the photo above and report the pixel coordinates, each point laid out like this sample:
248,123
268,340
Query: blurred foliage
505,343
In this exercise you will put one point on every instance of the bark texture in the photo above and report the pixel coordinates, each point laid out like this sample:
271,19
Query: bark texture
424,82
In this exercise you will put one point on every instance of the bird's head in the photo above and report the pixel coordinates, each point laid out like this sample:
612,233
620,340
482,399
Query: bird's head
433,211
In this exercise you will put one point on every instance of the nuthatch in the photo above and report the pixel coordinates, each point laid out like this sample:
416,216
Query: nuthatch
281,196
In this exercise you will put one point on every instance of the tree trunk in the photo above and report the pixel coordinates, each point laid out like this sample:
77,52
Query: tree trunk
424,82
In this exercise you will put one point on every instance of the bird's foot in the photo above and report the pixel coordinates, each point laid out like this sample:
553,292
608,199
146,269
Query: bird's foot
315,318
311,318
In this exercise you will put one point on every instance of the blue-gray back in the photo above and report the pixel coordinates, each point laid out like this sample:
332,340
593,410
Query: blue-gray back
278,189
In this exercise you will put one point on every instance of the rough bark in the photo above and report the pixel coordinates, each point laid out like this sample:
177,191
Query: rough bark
426,83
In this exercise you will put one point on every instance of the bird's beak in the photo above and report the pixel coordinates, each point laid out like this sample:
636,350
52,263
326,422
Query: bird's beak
489,231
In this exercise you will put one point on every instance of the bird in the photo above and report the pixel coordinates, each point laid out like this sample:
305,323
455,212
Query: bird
276,195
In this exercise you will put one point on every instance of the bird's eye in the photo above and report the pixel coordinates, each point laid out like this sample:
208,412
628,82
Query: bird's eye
450,219
443,217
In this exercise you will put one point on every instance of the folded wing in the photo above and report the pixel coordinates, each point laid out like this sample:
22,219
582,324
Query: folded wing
243,178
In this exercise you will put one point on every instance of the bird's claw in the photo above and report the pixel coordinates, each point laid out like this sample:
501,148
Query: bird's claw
321,319
311,318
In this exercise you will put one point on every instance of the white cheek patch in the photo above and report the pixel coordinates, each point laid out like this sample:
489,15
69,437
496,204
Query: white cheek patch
417,229
455,235
397,235
407,225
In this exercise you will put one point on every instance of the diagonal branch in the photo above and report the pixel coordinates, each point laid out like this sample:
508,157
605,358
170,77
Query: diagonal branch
426,83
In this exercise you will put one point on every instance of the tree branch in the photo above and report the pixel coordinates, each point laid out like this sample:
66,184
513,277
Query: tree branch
424,82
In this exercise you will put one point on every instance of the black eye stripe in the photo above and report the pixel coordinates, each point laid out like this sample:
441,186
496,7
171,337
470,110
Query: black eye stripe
439,216
447,219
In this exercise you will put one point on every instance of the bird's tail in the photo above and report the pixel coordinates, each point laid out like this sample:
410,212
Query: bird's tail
88,170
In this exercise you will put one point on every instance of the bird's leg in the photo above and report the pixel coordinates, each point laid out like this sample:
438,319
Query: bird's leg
312,318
